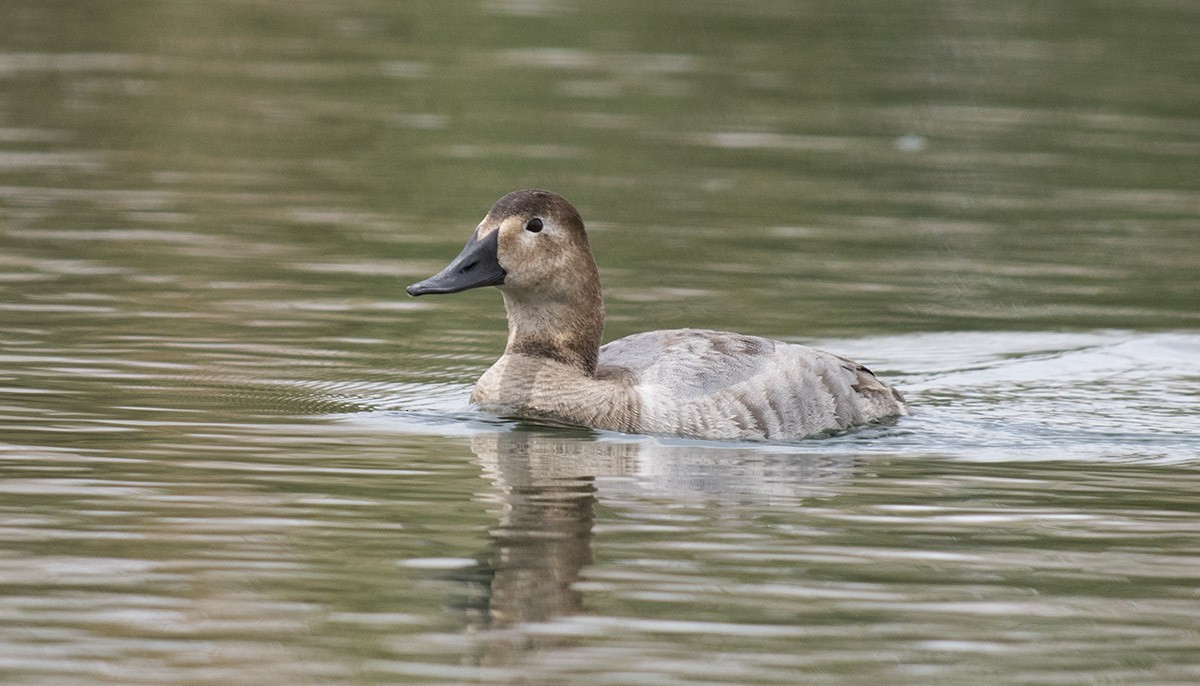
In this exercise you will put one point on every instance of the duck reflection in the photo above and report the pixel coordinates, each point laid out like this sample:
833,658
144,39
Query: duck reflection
547,486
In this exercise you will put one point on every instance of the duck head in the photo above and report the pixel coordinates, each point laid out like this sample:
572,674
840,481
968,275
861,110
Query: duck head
531,242
532,246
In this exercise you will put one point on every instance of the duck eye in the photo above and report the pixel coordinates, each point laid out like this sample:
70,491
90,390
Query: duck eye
534,225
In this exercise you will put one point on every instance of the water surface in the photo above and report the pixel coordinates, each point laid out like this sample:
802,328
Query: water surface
232,451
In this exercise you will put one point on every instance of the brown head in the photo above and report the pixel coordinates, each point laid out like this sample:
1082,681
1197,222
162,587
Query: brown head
533,247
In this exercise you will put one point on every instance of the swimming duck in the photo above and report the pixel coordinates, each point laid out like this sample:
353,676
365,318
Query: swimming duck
683,382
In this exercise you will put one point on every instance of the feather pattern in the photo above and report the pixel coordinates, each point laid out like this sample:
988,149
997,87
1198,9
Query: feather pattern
717,384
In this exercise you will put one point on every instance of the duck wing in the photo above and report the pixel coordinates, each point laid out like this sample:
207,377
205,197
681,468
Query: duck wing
722,385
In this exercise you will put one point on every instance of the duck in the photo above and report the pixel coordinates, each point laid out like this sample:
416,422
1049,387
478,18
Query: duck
690,383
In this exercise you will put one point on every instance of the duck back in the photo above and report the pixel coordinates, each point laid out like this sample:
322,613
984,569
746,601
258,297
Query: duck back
716,384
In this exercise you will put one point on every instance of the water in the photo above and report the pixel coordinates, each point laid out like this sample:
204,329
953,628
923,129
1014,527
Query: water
232,451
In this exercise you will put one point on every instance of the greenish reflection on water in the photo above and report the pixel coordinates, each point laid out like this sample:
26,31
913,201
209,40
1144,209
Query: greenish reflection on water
232,451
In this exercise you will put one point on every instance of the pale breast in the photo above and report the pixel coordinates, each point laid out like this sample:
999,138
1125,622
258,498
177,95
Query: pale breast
538,388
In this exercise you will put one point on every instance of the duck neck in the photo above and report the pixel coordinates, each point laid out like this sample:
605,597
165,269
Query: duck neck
566,329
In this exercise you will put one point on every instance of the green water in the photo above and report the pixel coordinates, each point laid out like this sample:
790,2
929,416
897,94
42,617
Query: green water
233,451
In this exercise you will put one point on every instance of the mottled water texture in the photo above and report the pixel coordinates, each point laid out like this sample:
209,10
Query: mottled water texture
233,451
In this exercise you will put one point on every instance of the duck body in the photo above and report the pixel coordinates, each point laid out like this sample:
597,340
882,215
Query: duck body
680,382
697,383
